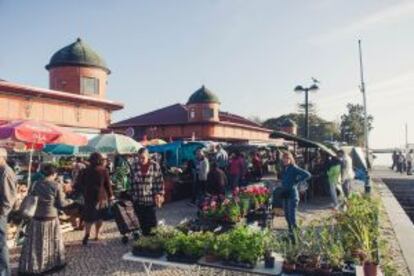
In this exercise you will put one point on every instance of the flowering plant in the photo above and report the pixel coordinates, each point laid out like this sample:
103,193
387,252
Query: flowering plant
221,208
259,194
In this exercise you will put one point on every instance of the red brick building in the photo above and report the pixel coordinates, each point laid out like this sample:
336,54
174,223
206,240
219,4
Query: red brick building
76,98
200,119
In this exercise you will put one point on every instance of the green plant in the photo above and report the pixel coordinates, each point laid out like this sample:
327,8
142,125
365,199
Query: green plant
149,243
244,204
120,178
165,232
191,244
242,244
359,227
335,255
211,244
290,251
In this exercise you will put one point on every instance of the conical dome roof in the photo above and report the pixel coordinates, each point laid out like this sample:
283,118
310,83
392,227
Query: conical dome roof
203,95
77,54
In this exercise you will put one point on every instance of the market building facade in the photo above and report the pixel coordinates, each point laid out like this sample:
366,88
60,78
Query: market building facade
199,119
76,97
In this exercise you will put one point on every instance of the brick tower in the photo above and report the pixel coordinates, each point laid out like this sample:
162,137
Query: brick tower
78,69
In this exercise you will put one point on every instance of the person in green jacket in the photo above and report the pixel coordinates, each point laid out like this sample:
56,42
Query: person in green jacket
334,179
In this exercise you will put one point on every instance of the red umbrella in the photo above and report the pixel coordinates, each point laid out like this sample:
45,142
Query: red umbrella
36,134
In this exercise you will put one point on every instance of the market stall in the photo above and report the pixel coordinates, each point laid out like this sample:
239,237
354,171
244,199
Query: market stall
174,158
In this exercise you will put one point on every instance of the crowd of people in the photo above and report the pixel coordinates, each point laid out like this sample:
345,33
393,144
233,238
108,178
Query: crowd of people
43,247
89,198
403,163
221,172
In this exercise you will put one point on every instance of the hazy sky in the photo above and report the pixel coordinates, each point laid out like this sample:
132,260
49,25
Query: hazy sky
250,53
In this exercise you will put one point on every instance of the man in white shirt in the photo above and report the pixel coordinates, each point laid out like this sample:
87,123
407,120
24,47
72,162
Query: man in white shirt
347,171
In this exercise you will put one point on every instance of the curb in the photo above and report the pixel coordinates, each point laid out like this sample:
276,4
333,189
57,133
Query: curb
401,223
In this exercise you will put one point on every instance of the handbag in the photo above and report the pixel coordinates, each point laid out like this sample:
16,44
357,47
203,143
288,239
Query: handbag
29,204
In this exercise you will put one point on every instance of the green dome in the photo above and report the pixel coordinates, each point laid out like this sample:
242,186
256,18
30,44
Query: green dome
77,54
203,95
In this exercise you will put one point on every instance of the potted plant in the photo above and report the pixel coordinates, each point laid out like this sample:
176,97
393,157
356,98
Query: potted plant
242,246
149,246
335,258
211,247
270,243
290,255
186,248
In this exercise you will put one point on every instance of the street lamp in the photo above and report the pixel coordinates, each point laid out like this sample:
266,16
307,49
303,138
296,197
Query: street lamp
299,89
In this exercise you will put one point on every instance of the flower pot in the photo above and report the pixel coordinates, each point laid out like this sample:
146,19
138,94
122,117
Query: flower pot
370,269
288,267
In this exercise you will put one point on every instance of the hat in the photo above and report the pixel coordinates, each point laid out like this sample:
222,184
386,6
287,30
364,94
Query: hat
3,152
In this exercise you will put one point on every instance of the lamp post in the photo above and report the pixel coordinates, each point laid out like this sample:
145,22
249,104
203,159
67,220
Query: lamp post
299,89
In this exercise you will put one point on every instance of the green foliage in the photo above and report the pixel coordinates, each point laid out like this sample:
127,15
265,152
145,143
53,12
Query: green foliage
120,178
242,244
289,249
359,226
191,244
352,124
149,243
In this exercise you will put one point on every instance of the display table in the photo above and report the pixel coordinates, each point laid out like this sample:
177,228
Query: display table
258,270
148,262
189,268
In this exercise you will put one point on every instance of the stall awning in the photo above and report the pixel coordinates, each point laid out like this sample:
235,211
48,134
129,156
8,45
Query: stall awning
302,142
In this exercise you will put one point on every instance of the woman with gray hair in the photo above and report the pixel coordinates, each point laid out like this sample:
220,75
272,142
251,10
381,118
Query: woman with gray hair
43,249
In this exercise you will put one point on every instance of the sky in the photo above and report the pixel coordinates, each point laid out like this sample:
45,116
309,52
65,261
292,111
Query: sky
250,53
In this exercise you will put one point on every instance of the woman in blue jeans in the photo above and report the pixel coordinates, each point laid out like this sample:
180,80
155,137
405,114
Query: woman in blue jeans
291,177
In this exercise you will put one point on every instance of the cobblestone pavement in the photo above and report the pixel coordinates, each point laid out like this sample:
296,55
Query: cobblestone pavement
105,257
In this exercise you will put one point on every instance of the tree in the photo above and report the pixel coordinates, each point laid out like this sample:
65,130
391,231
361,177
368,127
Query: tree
312,110
256,119
320,130
352,125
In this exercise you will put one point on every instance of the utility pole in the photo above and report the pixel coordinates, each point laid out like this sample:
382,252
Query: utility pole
364,95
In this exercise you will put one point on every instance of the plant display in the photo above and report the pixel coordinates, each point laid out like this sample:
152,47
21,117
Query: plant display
323,248
326,247
188,246
242,245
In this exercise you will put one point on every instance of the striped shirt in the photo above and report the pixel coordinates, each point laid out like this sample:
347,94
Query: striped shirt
145,187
